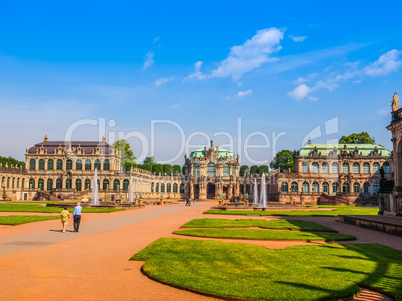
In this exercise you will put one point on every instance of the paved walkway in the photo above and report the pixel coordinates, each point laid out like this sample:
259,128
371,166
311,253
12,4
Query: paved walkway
39,263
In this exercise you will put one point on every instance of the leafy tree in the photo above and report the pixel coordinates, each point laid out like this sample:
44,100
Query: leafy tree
157,168
362,138
176,169
11,161
167,169
127,155
254,169
263,169
283,160
183,170
243,170
150,160
146,166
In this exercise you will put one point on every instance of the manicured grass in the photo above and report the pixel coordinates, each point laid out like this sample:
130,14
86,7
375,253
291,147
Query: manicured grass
36,208
244,223
233,270
23,219
340,206
335,212
264,234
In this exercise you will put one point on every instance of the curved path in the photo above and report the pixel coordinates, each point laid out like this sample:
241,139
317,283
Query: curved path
38,262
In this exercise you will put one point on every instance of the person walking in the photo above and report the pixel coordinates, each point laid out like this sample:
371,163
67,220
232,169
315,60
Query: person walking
64,215
188,202
77,217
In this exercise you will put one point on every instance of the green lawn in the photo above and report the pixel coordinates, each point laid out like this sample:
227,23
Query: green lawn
234,270
334,212
23,219
243,223
36,208
264,234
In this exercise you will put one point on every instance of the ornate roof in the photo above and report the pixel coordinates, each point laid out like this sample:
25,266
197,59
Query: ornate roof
200,153
87,147
364,150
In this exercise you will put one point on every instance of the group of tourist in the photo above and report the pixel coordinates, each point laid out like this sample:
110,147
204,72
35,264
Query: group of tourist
65,215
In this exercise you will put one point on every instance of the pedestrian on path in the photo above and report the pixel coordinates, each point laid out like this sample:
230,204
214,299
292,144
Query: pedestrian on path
64,215
188,202
77,217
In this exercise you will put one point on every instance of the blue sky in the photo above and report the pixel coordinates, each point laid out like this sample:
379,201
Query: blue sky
279,68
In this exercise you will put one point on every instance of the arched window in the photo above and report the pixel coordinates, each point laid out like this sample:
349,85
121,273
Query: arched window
8,182
305,168
226,170
49,185
386,168
196,170
168,188
68,184
97,164
32,164
157,187
376,167
23,183
41,184
241,188
306,187
125,184
12,185
366,168
325,167
315,168
376,187
294,187
248,188
181,188
59,164
366,189
356,187
50,164
78,184
105,184
346,187
211,170
345,168
284,187
356,167
325,187
31,183
58,184
18,183
335,188
87,184
152,187
335,168
116,184
106,165
315,187
69,164
175,188
41,164
162,187
88,164
78,164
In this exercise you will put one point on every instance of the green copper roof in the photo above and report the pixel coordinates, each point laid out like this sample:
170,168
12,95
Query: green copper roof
199,153
363,149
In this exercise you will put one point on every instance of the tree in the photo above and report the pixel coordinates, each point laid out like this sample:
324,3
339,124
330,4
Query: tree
362,138
243,170
263,169
11,161
127,155
146,166
282,160
253,169
157,168
167,169
176,169
150,160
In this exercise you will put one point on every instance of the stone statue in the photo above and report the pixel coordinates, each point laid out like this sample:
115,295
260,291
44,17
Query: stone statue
395,102
212,143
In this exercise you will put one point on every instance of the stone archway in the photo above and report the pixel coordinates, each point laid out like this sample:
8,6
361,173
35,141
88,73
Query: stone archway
226,190
211,191
196,191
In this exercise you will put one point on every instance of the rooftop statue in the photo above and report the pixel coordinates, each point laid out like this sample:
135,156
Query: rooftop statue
395,102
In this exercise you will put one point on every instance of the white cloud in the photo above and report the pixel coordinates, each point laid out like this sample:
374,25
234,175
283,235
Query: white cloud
300,92
313,98
384,111
148,60
161,81
298,39
197,74
385,64
244,93
174,106
301,80
156,39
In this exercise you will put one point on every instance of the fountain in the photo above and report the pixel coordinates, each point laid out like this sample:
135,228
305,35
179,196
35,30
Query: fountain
263,194
95,198
255,193
131,195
